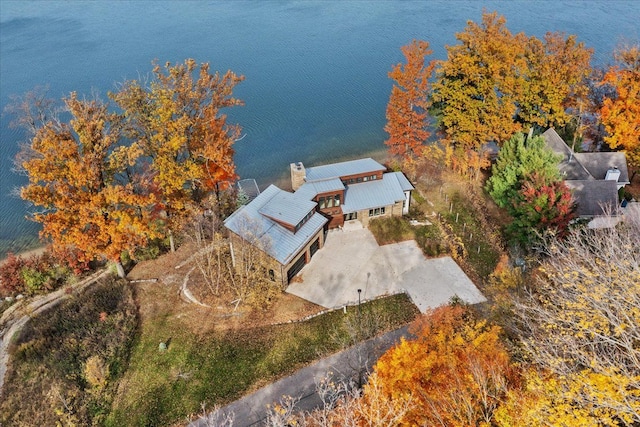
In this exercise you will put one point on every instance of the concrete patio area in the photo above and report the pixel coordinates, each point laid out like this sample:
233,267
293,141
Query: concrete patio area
351,260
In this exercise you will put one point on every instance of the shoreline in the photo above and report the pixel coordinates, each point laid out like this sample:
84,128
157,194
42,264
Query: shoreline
38,250
281,180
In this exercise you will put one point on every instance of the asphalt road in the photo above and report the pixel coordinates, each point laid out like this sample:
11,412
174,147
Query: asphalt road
252,409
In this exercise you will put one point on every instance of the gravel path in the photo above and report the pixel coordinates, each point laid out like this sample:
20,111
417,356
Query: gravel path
18,315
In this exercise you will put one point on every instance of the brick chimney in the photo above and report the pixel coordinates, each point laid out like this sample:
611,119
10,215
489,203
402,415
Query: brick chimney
298,175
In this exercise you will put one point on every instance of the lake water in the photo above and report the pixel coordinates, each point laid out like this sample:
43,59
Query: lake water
316,83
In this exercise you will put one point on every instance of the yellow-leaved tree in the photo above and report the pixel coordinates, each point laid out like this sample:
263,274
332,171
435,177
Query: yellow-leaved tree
176,121
455,372
581,328
495,83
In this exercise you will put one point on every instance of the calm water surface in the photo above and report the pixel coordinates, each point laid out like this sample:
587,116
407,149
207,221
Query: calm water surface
316,83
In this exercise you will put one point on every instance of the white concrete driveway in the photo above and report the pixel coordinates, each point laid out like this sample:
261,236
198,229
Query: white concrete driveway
351,260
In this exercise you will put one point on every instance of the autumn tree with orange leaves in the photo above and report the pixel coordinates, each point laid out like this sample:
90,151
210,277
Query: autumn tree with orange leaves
177,122
456,371
109,181
89,198
620,114
407,123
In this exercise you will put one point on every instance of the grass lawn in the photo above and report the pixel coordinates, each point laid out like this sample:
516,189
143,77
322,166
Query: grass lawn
164,387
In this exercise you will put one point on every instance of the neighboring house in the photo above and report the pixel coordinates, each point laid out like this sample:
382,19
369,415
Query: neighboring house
290,227
594,178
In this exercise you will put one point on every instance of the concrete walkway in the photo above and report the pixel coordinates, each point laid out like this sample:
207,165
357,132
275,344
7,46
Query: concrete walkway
252,409
351,259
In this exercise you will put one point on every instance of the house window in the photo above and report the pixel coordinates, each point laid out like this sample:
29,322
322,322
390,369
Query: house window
272,275
374,177
366,178
322,203
359,179
337,199
351,216
376,211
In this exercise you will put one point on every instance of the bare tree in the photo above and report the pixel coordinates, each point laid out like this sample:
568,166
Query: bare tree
343,404
215,418
581,320
249,277
211,256
360,324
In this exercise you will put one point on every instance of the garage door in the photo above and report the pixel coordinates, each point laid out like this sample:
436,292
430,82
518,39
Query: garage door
296,267
314,247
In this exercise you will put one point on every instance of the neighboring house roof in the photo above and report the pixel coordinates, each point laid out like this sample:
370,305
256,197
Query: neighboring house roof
556,143
281,244
597,164
336,170
593,197
309,190
373,194
570,168
585,166
584,174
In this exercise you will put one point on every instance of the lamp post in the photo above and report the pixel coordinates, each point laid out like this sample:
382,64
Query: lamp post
359,339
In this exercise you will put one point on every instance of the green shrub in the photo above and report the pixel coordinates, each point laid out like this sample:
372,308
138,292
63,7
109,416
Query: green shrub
429,239
391,230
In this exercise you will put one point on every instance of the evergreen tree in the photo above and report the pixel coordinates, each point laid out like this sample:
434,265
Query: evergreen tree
518,159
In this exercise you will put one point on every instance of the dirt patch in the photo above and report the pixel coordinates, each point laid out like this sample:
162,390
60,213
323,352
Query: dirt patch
157,284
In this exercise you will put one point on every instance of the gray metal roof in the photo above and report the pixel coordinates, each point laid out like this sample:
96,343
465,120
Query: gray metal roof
287,207
374,194
593,197
403,181
336,170
309,190
280,243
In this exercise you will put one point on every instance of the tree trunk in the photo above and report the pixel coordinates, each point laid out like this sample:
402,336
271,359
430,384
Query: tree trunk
120,270
172,243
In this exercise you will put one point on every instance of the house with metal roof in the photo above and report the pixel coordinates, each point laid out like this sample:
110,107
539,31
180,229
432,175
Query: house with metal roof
289,227
355,190
594,178
283,225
